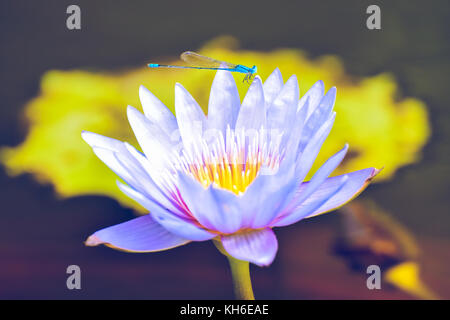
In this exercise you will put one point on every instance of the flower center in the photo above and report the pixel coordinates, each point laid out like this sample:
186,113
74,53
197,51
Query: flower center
232,176
232,163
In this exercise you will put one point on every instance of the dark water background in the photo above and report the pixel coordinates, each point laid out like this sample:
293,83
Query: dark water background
41,235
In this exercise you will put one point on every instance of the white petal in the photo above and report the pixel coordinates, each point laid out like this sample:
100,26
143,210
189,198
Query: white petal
319,115
97,140
357,182
310,152
256,246
108,157
224,102
281,113
215,208
157,112
306,210
154,142
272,86
319,177
252,115
141,234
314,94
190,117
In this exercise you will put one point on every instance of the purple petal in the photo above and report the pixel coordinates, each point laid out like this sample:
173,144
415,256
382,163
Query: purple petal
317,180
177,222
190,117
267,193
296,131
309,154
109,158
303,211
106,150
128,163
147,179
357,182
272,86
155,143
256,246
252,115
185,228
314,95
318,116
320,176
281,112
157,112
216,209
97,140
273,193
141,234
270,206
146,201
224,102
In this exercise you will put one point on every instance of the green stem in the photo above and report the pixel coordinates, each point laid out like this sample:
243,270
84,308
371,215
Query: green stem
240,271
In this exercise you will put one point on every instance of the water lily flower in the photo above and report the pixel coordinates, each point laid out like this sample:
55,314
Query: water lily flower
231,176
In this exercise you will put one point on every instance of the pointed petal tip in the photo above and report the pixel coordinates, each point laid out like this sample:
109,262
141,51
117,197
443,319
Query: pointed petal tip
256,84
223,79
319,83
93,241
257,81
132,113
85,135
102,153
276,73
292,78
142,92
181,92
275,78
332,91
372,175
375,173
94,139
291,86
131,109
